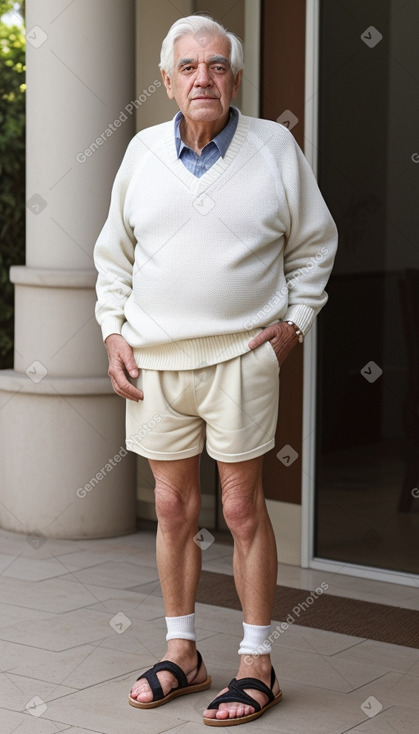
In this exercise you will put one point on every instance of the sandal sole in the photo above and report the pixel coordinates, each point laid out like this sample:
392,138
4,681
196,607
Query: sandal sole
243,719
195,688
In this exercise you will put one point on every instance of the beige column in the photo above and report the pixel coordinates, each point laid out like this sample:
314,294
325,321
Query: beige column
153,21
64,471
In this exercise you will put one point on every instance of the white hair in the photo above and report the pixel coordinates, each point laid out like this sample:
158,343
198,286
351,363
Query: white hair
196,24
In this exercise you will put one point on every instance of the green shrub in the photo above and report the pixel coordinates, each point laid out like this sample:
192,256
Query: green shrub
12,171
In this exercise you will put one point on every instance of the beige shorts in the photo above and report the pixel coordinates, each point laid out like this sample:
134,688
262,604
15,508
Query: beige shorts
234,404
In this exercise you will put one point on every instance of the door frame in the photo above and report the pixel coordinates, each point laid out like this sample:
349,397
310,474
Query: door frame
308,485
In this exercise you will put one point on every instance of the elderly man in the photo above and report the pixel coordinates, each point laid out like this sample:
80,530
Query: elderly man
212,266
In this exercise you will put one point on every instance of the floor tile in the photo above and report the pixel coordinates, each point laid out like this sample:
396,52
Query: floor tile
391,689
326,671
395,720
213,618
141,606
150,641
218,565
35,545
308,639
17,692
152,588
114,575
78,667
53,595
6,560
104,708
216,551
192,729
93,557
78,641
30,569
313,711
406,692
221,647
145,539
68,630
10,614
391,657
17,723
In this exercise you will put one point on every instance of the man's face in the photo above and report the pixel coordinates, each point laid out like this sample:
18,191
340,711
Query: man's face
202,81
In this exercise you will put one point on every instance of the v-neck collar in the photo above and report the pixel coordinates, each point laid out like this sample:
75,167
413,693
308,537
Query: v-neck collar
217,169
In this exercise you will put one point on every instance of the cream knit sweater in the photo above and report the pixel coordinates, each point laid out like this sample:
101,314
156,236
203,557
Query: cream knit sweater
190,269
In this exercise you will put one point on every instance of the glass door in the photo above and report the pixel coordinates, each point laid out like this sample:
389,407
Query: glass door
367,445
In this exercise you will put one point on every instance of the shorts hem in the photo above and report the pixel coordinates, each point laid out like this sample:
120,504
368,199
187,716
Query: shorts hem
244,456
166,455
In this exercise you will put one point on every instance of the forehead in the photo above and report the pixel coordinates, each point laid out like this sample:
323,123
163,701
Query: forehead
201,46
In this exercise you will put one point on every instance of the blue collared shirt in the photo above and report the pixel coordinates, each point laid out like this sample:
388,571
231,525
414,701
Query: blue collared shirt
200,164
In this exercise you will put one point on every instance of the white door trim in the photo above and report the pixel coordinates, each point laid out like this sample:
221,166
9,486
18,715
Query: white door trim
252,56
308,560
310,342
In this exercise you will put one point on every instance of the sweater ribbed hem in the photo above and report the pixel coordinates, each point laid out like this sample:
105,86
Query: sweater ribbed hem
192,354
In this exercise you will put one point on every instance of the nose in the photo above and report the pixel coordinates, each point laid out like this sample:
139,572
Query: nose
203,76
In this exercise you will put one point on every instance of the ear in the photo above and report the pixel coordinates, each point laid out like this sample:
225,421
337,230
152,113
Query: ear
236,85
168,84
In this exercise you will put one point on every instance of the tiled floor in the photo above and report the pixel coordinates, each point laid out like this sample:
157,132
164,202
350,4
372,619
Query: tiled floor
80,619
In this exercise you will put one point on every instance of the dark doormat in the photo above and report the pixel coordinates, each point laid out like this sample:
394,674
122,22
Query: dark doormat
322,611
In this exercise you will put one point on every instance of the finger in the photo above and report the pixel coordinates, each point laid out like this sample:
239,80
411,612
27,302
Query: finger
263,336
121,354
130,365
125,360
129,393
124,388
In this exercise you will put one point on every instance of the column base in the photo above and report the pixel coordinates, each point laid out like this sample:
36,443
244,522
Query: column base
66,472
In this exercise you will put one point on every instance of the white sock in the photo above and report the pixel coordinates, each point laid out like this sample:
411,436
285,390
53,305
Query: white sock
256,640
181,628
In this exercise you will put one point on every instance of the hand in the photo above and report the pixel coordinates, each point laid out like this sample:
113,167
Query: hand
282,336
121,362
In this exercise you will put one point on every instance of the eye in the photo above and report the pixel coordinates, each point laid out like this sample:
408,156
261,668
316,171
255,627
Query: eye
218,68
187,69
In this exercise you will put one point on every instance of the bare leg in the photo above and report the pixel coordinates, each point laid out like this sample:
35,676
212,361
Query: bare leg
178,503
254,566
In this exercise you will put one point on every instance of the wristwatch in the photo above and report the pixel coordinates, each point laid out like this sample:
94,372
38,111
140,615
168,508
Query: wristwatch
297,331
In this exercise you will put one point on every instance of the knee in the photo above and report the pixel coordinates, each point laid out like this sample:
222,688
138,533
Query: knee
240,512
174,507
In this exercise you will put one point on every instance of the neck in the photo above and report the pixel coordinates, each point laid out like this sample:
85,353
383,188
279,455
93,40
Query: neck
196,134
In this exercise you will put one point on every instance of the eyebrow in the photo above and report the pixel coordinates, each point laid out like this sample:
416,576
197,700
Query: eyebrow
212,60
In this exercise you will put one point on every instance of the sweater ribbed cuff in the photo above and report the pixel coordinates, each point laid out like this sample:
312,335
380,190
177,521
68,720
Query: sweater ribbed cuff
111,325
302,316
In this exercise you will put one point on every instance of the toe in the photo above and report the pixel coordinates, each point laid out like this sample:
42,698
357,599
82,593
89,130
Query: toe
229,711
143,693
234,710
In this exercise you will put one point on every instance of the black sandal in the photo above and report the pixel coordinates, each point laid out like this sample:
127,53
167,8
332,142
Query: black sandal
237,694
182,689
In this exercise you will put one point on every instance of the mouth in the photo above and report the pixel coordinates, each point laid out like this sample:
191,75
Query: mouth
206,97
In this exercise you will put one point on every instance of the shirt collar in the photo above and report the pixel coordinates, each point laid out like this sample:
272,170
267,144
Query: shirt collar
222,140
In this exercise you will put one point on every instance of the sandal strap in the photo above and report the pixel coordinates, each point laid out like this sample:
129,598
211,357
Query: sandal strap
167,665
236,692
154,684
